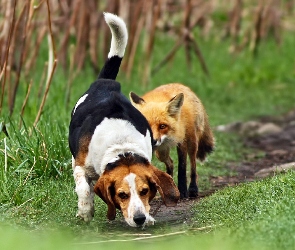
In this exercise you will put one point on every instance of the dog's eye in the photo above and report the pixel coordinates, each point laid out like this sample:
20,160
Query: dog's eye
162,126
123,195
144,191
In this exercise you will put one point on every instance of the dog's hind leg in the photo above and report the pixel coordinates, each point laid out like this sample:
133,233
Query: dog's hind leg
85,192
182,155
193,186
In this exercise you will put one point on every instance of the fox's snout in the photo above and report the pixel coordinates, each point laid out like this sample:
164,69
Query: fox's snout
159,140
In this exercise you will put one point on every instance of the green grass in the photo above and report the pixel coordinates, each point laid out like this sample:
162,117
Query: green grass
37,195
256,215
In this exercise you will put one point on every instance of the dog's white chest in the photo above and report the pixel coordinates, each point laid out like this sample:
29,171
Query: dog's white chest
113,137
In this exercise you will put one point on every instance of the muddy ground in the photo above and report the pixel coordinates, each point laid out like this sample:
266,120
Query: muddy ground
273,139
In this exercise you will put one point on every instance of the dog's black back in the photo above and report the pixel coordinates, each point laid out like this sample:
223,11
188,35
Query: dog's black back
103,100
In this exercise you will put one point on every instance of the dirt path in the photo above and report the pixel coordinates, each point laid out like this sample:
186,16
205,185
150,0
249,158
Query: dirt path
274,141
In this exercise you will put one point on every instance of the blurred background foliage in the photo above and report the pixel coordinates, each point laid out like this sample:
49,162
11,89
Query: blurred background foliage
70,35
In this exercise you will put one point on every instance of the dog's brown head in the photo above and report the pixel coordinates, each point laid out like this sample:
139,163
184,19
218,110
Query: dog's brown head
130,184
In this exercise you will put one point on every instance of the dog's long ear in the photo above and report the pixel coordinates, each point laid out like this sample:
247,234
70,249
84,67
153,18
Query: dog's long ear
135,99
103,188
166,187
175,104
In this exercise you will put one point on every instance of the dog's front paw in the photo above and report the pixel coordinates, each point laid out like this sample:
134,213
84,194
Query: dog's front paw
86,216
85,212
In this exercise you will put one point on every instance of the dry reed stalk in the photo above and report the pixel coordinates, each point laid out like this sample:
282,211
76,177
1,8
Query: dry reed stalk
31,61
1,46
8,80
199,17
93,35
72,75
25,102
186,31
200,55
153,16
32,48
20,28
5,27
186,38
256,34
82,35
137,23
2,70
234,26
8,43
68,26
133,21
168,57
42,79
289,7
52,61
124,10
267,18
272,21
192,43
29,30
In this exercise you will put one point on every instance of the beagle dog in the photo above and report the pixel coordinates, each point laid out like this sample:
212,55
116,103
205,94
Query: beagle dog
111,145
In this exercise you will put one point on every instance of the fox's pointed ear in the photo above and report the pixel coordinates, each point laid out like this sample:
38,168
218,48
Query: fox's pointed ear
175,104
135,99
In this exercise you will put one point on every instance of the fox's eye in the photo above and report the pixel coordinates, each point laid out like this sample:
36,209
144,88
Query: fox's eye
144,191
123,195
162,126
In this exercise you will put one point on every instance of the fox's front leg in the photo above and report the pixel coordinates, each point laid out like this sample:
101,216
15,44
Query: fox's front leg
163,156
85,192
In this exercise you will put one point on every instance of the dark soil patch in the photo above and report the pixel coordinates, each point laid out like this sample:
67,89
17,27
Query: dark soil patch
273,139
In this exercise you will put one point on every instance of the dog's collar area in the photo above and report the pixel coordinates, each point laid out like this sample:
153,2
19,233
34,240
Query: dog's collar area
127,159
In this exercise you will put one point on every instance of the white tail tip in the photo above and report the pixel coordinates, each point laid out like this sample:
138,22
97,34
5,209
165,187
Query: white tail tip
119,34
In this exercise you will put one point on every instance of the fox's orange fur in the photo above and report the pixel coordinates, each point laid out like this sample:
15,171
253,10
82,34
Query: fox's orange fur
177,118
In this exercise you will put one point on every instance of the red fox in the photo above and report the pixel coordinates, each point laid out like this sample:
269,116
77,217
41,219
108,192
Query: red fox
177,118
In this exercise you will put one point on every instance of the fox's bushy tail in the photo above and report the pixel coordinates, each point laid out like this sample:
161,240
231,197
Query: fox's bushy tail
118,45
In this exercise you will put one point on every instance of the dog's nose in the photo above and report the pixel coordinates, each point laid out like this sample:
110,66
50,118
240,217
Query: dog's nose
139,219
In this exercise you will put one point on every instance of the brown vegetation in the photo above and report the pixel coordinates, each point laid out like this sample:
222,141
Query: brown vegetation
74,32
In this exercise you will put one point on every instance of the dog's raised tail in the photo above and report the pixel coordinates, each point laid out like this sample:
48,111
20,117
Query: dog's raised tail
118,45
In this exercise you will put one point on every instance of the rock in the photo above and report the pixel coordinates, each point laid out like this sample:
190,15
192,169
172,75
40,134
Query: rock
275,169
246,128
268,128
231,127
250,128
278,152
